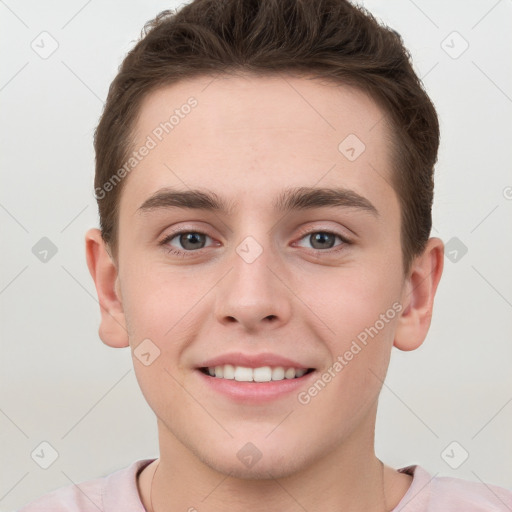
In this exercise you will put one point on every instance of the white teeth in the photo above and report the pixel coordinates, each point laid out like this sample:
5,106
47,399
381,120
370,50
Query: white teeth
228,372
261,374
243,374
290,373
278,373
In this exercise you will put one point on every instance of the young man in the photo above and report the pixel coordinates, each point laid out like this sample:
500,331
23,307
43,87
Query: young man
264,178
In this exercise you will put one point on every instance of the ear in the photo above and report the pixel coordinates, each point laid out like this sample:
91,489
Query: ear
418,296
103,270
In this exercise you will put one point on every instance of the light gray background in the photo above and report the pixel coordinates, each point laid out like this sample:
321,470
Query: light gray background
63,386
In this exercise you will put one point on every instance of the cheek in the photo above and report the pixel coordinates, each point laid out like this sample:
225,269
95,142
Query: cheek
349,301
358,309
159,301
160,312
361,314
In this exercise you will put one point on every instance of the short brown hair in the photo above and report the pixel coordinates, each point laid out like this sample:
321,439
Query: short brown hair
329,39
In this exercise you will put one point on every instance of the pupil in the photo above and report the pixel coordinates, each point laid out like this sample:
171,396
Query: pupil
190,238
322,238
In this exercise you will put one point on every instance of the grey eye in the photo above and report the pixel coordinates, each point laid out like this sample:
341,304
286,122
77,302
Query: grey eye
322,240
192,240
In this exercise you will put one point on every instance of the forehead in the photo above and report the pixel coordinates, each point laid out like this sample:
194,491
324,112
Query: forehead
247,136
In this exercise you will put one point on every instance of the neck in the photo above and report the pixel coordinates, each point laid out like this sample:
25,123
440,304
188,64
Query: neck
344,479
286,494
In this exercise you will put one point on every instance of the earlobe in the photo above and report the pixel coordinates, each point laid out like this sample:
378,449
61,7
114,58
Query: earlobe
112,330
418,296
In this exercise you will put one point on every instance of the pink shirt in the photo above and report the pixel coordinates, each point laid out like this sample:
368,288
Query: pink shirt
118,492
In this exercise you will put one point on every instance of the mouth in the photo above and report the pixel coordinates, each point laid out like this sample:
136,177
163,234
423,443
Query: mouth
244,385
261,378
255,375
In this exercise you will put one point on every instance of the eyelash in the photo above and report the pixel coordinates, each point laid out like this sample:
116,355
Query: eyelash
184,253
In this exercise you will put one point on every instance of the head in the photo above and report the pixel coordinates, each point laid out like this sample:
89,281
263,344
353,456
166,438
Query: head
244,111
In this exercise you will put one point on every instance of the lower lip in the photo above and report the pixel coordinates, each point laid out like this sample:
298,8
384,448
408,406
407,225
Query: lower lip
257,392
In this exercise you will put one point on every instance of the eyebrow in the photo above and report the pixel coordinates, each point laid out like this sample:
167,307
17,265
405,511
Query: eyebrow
301,198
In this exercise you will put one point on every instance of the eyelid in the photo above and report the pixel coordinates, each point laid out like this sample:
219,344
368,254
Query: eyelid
181,231
303,232
315,229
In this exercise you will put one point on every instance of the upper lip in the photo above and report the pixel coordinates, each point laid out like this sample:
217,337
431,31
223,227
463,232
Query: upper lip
252,361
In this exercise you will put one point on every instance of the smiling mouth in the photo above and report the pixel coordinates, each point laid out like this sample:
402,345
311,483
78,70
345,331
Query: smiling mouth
261,374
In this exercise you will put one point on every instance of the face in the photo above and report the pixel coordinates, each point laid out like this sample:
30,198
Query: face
263,270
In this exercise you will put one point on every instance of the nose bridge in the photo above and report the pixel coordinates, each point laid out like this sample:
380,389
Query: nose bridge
251,292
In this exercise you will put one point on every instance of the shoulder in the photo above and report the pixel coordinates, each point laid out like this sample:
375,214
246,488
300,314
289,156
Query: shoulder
83,497
473,496
107,494
442,493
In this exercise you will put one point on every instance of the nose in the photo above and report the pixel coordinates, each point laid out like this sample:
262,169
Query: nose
253,294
